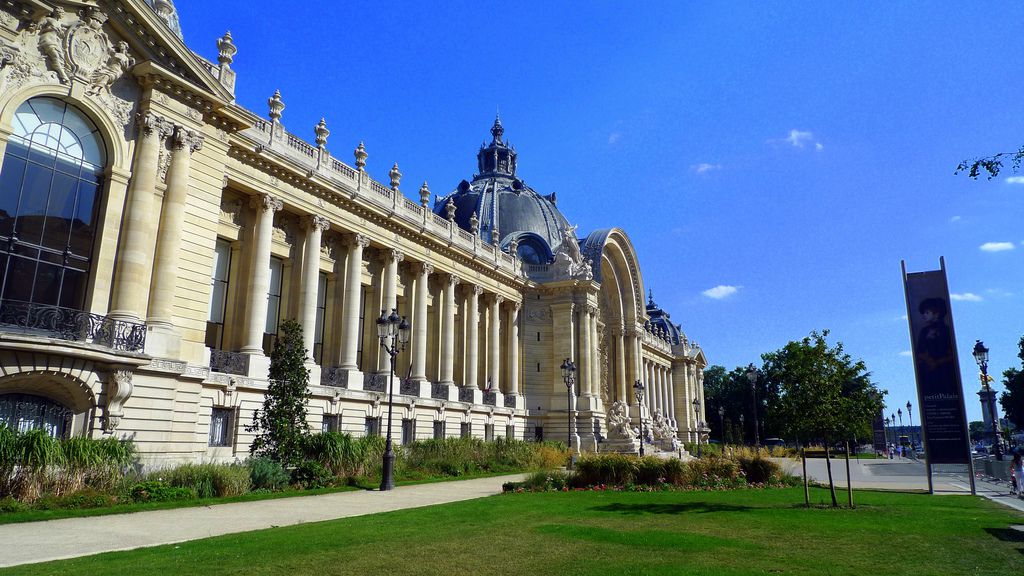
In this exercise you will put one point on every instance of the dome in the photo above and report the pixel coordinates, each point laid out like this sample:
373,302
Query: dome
660,325
503,202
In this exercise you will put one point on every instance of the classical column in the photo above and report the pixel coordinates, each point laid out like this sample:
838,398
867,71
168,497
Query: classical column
259,273
620,366
513,349
315,226
494,362
134,262
672,397
586,356
419,323
595,354
473,338
389,301
353,296
448,331
700,391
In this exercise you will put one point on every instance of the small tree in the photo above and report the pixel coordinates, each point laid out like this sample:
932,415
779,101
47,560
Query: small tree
280,426
823,394
1012,399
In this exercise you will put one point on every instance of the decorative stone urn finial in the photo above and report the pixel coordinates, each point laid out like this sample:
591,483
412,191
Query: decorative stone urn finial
321,133
474,223
276,106
495,235
360,154
450,209
513,247
226,48
424,194
396,176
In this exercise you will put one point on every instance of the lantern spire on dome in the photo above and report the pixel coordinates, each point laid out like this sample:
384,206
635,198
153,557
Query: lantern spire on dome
497,130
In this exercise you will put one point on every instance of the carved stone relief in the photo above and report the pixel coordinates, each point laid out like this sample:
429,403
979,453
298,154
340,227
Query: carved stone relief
231,210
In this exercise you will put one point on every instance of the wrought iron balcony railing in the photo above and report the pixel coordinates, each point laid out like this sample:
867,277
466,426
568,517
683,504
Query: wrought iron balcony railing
229,362
74,325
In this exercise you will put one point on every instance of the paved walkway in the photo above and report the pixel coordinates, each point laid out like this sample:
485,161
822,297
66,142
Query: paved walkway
71,537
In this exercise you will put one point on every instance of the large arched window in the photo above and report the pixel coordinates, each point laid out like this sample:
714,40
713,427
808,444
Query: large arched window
49,190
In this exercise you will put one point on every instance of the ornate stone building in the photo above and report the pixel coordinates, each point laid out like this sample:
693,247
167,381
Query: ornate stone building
153,234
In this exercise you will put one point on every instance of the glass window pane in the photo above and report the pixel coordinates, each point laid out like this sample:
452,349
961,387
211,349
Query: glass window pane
18,283
275,276
47,109
217,301
72,291
221,259
47,288
11,176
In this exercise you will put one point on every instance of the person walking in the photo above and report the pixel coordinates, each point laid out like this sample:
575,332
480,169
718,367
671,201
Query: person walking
1017,474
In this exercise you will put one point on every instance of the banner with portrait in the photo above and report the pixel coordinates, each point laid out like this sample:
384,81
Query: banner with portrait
937,368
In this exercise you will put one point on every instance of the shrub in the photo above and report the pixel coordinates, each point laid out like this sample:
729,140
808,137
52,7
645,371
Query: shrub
9,504
311,474
77,501
705,449
541,481
158,491
611,468
759,470
713,472
550,455
265,474
208,480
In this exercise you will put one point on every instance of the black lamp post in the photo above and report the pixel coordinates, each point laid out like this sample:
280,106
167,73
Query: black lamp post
910,416
393,332
743,430
696,418
981,357
899,412
569,377
638,391
721,421
887,423
752,375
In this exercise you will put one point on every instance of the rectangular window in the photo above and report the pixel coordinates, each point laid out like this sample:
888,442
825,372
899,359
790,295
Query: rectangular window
538,366
331,423
510,432
538,433
321,315
538,336
359,335
465,430
218,295
438,429
372,427
488,432
408,431
273,304
222,426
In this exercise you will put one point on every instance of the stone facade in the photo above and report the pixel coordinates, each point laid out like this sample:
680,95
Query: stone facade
211,224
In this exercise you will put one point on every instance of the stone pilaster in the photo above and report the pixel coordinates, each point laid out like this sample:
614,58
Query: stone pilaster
135,258
389,300
419,324
308,291
259,273
448,331
494,359
473,338
353,296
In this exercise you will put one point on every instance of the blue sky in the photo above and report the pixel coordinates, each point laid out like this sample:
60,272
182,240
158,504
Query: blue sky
788,153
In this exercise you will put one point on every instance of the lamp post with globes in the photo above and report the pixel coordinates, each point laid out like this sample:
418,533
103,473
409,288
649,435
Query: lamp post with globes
981,357
888,446
752,375
743,430
899,412
910,417
721,422
569,377
696,414
393,332
638,391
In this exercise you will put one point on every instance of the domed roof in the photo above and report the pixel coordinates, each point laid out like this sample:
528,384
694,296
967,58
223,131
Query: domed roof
660,325
503,202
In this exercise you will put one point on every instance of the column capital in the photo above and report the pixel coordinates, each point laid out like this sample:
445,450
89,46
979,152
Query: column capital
393,254
184,138
356,239
315,221
516,306
498,299
149,123
453,280
477,290
266,203
424,268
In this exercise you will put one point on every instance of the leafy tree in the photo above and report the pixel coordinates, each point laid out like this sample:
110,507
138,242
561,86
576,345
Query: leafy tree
729,390
280,426
991,165
1012,399
976,430
823,393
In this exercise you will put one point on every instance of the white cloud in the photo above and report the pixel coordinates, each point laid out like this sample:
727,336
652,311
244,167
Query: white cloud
1015,180
996,246
901,318
906,353
798,138
614,137
966,297
721,291
955,219
819,146
704,167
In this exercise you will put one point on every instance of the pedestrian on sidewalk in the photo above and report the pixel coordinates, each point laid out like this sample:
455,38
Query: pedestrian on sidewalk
1017,474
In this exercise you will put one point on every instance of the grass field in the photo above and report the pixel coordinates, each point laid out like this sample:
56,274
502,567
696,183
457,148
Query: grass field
735,532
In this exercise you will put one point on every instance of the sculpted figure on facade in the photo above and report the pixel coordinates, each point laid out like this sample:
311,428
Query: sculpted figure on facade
661,429
51,43
569,261
618,422
118,62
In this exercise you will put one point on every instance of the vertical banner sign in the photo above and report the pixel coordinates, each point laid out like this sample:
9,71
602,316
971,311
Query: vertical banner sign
940,393
878,440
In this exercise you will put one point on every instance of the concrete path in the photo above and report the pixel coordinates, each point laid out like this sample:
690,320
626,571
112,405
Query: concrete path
57,539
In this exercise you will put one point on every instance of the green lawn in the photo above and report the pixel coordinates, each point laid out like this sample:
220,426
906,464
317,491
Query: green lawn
614,533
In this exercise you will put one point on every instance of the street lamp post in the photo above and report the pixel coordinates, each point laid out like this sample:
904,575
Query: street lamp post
899,412
569,376
393,332
886,430
696,414
743,430
638,391
752,375
910,416
721,422
981,357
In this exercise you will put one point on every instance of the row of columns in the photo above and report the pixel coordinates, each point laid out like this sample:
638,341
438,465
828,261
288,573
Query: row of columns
660,390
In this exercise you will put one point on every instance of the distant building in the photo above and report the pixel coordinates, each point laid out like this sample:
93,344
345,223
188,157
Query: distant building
153,234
